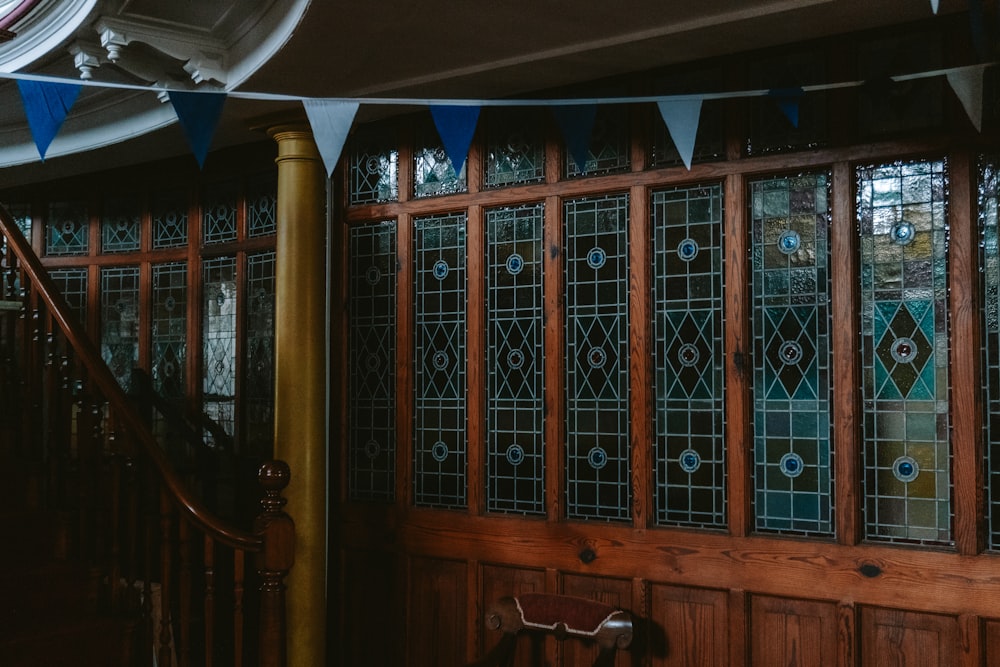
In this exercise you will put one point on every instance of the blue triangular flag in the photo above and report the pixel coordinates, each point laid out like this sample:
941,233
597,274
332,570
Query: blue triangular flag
330,121
455,126
577,124
681,117
788,101
46,104
198,114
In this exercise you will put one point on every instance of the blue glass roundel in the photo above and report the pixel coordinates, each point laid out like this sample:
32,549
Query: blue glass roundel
597,458
903,350
440,269
515,358
596,258
439,451
372,449
689,461
515,264
791,465
905,469
372,362
440,360
596,357
789,241
373,275
688,355
687,249
515,455
169,303
903,233
790,352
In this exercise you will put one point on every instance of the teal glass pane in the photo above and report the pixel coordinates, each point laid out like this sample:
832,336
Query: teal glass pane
120,321
372,362
433,172
989,263
72,284
904,342
609,150
67,231
688,337
169,332
598,464
515,407
515,147
374,170
218,338
790,283
258,371
440,441
120,228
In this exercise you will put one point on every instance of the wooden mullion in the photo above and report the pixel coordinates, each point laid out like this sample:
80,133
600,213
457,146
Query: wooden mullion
475,359
404,363
738,347
966,385
553,317
640,358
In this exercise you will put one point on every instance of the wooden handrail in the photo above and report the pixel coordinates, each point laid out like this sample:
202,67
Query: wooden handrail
101,376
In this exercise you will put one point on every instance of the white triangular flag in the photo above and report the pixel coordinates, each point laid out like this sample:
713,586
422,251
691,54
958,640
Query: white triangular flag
934,5
681,117
968,86
331,121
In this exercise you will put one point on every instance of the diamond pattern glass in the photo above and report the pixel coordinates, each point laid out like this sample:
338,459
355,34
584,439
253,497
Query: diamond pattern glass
67,231
262,203
120,321
904,338
433,172
515,152
258,377
372,354
690,473
218,213
120,225
793,472
170,220
219,340
440,443
374,170
598,465
169,333
515,409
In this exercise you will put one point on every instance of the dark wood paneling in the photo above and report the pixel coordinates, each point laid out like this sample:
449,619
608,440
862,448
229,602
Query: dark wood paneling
894,638
793,632
688,626
991,642
436,613
368,609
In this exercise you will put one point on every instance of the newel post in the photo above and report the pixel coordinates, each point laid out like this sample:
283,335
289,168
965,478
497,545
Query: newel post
277,532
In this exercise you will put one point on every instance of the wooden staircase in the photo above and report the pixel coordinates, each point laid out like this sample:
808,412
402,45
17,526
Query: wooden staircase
108,557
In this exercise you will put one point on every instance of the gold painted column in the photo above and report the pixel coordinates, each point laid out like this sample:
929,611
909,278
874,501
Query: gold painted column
300,362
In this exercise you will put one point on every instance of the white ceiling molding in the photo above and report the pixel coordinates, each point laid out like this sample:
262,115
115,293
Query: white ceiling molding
43,31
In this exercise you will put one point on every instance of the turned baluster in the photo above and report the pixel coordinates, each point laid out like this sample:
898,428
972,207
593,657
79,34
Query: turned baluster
184,551
239,576
164,638
209,600
275,559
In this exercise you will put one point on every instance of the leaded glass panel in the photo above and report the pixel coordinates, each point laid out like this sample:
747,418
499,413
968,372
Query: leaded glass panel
790,282
770,129
372,354
690,472
515,147
262,203
67,231
170,220
72,284
218,213
169,332
440,442
904,340
709,143
22,217
989,262
219,340
609,151
120,321
598,465
120,225
258,381
374,171
433,172
515,462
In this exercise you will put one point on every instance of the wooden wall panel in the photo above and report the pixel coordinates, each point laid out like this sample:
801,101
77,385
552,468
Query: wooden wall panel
895,638
501,582
372,602
436,613
615,592
793,632
991,642
688,626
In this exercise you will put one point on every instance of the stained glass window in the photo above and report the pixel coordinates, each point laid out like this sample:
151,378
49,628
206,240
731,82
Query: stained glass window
170,220
169,341
439,355
262,202
218,213
67,231
258,376
120,225
989,249
690,473
72,284
793,472
515,152
120,321
219,340
433,172
374,171
372,364
904,339
609,144
515,461
598,464
22,217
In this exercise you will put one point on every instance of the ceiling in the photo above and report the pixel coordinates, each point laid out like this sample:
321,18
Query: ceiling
385,48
